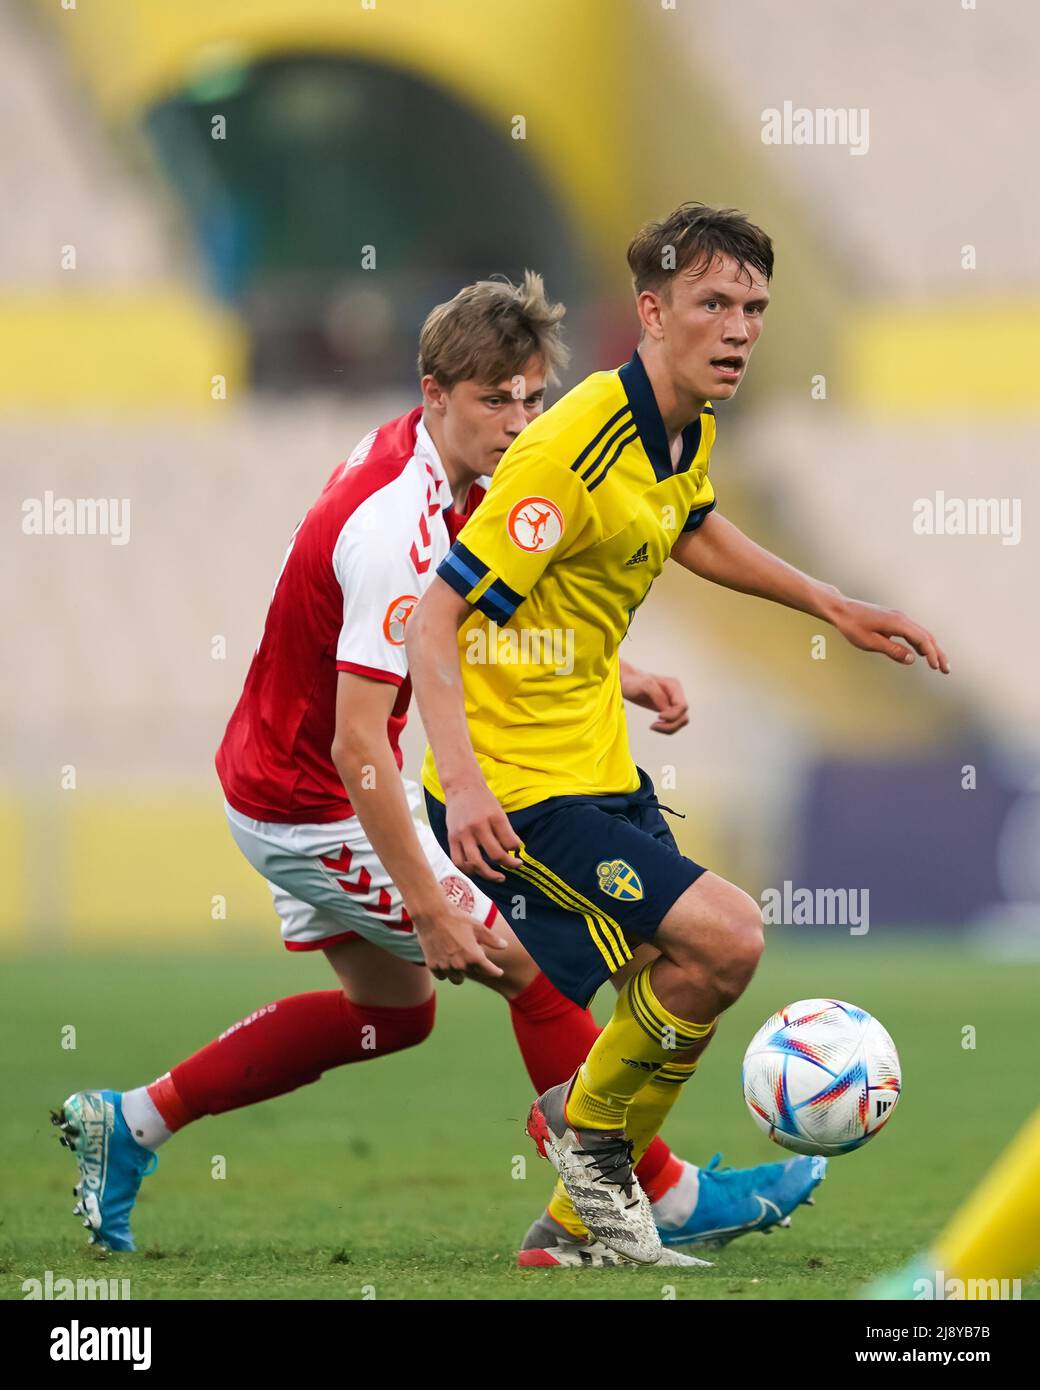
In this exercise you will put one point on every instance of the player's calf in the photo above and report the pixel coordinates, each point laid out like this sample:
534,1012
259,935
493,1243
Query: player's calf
287,1044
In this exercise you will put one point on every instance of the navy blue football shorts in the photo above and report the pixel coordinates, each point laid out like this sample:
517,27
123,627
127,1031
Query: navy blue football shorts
597,871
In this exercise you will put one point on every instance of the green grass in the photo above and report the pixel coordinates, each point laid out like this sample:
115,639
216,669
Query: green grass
397,1175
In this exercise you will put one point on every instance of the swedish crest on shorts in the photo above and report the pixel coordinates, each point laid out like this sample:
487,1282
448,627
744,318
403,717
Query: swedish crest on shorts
619,880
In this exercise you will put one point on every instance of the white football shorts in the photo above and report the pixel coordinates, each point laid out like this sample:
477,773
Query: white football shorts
329,886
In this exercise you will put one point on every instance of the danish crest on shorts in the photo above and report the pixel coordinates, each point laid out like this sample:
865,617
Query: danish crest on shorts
619,880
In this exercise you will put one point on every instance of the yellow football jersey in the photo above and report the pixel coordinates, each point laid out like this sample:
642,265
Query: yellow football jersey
579,519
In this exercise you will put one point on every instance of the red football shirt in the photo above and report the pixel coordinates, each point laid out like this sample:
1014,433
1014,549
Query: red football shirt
356,567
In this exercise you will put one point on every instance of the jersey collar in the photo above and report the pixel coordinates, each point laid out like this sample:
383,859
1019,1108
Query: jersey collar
425,446
646,416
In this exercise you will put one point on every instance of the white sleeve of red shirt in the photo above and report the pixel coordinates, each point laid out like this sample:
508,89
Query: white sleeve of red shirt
378,580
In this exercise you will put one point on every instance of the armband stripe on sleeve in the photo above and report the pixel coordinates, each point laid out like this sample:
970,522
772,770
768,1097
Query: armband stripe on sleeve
506,599
493,605
481,587
453,574
457,573
468,565
511,597
697,516
490,594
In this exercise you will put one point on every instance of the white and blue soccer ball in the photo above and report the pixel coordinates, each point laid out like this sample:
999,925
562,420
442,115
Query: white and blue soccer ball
821,1077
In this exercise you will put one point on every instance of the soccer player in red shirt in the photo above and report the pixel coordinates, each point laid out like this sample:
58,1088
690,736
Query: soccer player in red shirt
310,765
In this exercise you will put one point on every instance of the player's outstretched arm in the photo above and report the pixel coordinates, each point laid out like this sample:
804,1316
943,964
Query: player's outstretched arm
453,944
719,551
663,694
477,825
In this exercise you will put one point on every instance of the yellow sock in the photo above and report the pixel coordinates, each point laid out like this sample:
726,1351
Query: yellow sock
646,1114
996,1233
641,1036
561,1209
650,1108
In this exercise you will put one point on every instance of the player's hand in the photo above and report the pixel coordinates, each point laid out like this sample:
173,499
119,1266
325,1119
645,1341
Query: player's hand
873,629
454,946
478,826
661,693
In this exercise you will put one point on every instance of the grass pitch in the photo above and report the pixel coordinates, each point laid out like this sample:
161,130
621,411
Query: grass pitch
410,1177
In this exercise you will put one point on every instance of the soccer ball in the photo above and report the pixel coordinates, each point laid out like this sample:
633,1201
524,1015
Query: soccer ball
821,1077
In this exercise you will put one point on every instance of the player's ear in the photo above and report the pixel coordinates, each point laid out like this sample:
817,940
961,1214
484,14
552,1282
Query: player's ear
649,305
434,394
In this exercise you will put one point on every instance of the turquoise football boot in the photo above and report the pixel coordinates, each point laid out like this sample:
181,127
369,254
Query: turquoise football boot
111,1164
732,1202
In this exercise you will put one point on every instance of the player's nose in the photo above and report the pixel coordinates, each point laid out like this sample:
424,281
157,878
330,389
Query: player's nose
515,420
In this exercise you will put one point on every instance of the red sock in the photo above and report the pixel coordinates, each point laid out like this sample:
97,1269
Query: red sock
554,1037
282,1046
658,1170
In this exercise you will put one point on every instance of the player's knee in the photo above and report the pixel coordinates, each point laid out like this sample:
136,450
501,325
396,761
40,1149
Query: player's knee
742,946
396,1029
421,1024
519,971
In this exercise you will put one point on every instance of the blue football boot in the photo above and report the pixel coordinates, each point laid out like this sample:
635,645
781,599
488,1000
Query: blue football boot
733,1201
111,1164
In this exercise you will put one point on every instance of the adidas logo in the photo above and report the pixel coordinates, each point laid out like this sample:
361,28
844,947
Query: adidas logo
640,557
640,1065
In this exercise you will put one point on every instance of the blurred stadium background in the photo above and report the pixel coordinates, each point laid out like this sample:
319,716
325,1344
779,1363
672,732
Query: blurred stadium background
188,320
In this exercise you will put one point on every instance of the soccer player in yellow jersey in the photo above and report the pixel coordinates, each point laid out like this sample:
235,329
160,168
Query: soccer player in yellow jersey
514,659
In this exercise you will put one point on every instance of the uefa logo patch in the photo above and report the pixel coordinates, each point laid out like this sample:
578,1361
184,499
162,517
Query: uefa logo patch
619,880
397,615
535,524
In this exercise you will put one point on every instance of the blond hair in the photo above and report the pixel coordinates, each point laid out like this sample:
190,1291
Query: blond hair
490,330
